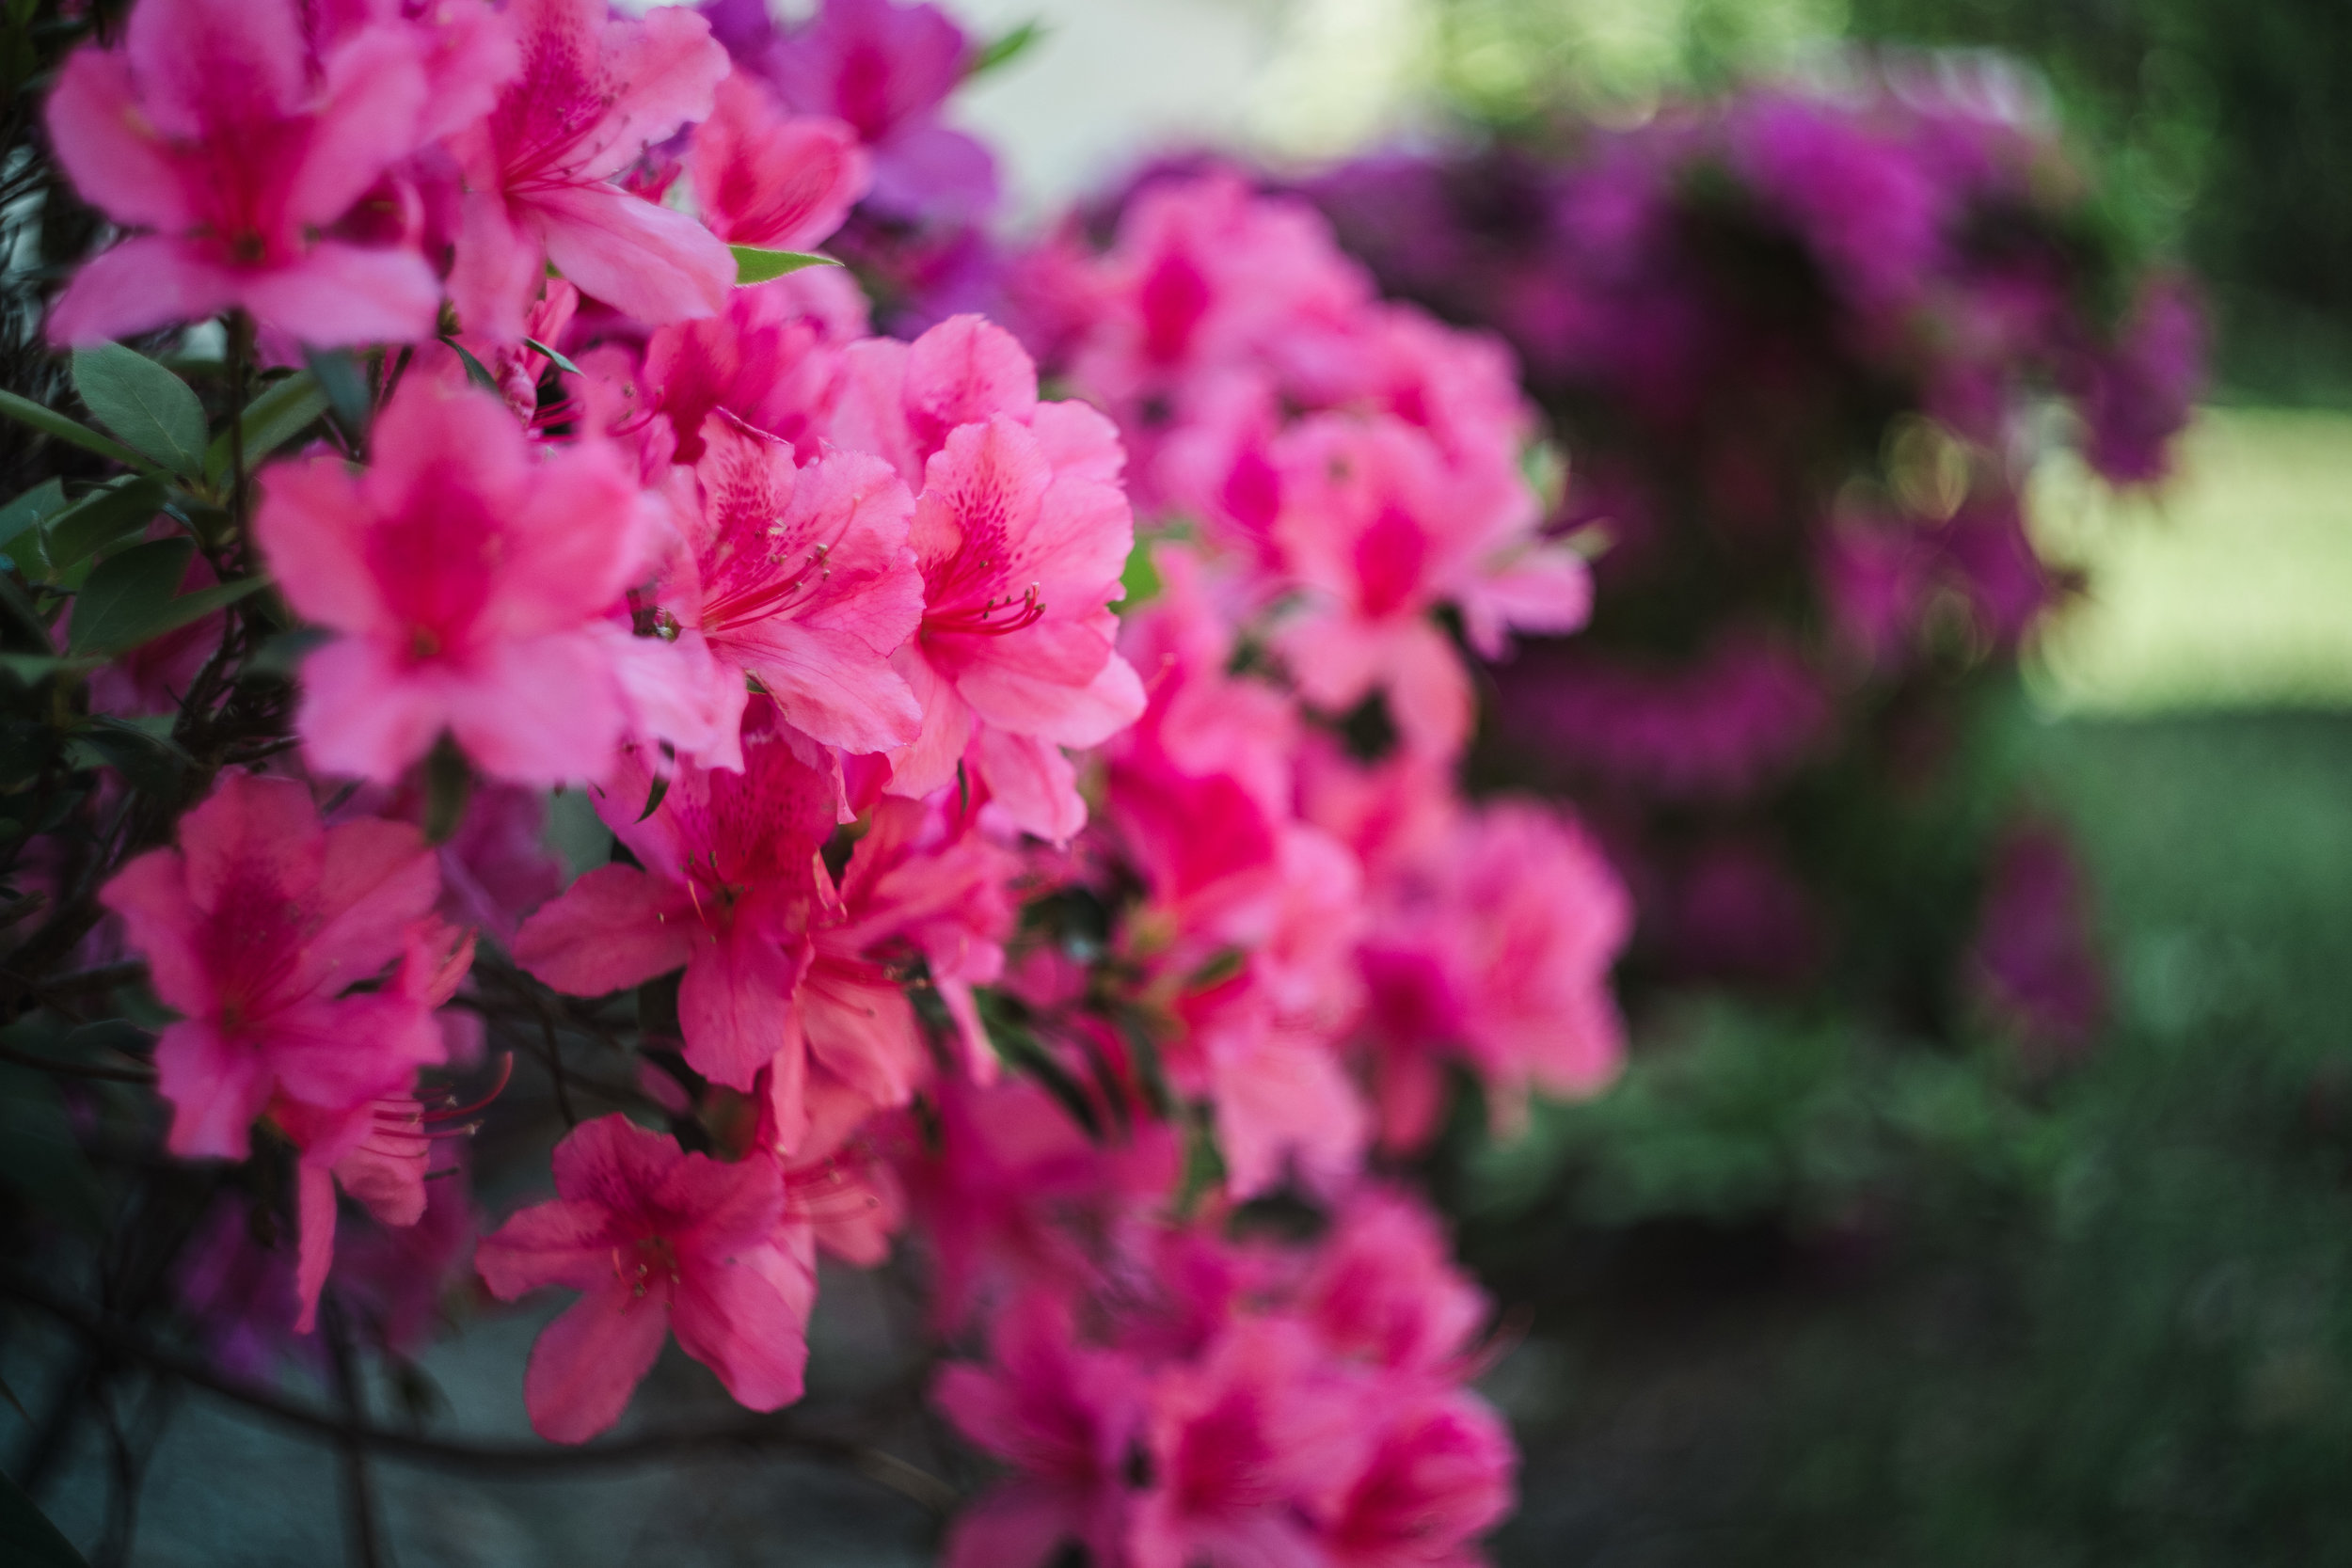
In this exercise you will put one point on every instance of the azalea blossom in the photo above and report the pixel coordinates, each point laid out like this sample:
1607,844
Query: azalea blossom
768,178
468,574
594,91
658,1241
233,149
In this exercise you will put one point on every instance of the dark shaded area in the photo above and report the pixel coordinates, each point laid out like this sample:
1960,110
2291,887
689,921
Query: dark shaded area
1850,1305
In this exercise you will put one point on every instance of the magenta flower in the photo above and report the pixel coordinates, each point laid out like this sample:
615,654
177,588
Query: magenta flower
885,68
255,930
467,573
1022,531
658,1241
764,178
731,877
1065,1415
800,580
596,91
1380,529
1438,1476
218,131
1383,1288
771,359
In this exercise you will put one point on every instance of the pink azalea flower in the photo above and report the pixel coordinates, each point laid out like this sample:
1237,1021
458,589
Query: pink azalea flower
219,132
1379,529
885,68
1021,532
657,1240
731,878
596,91
1501,951
1240,1444
1383,1288
467,573
1065,1417
255,928
1438,1476
771,359
800,580
764,178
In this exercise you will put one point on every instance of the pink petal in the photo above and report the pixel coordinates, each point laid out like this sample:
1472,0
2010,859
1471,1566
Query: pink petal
1015,1524
734,1006
1031,784
967,369
747,1320
376,880
113,155
497,269
547,711
340,294
588,1362
763,179
361,715
216,1087
1087,713
368,119
561,1243
1549,590
314,1221
930,762
660,74
306,527
208,63
1429,691
614,928
1288,1100
644,261
252,831
145,283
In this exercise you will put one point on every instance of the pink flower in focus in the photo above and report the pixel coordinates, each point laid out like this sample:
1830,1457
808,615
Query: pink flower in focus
657,1240
254,930
886,69
216,129
800,580
596,90
731,875
1021,532
763,178
468,572
771,359
1066,1417
1380,529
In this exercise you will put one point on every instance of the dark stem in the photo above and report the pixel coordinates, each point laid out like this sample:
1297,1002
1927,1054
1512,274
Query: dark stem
360,1528
120,1342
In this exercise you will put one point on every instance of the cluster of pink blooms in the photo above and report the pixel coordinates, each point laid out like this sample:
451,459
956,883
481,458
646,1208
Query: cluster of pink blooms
823,624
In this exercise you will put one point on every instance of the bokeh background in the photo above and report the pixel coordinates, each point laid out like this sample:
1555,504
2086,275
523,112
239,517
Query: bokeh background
1796,1292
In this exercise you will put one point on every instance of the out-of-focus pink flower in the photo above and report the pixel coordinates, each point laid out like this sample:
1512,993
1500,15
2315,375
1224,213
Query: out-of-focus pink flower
1499,951
764,178
1864,201
1245,1446
596,90
2034,962
2139,395
255,928
885,68
1438,1476
1383,1289
800,579
1380,529
467,573
216,129
1066,1417
658,1241
731,874
1021,532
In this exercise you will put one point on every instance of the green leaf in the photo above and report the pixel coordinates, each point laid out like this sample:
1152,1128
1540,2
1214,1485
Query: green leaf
38,505
50,423
476,371
347,386
144,403
1005,48
99,518
19,607
150,759
27,1539
33,668
283,411
129,594
755,265
561,363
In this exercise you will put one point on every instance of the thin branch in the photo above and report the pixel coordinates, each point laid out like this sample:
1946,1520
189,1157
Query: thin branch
358,1489
467,1455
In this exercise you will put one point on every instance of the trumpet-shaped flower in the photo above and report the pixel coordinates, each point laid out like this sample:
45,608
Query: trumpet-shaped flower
255,928
658,1241
467,573
219,132
800,580
596,90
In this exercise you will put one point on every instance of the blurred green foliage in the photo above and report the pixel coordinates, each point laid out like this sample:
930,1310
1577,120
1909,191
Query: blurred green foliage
1831,1304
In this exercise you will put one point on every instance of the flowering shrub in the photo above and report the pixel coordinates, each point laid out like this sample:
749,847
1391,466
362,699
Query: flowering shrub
1093,929
1804,352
